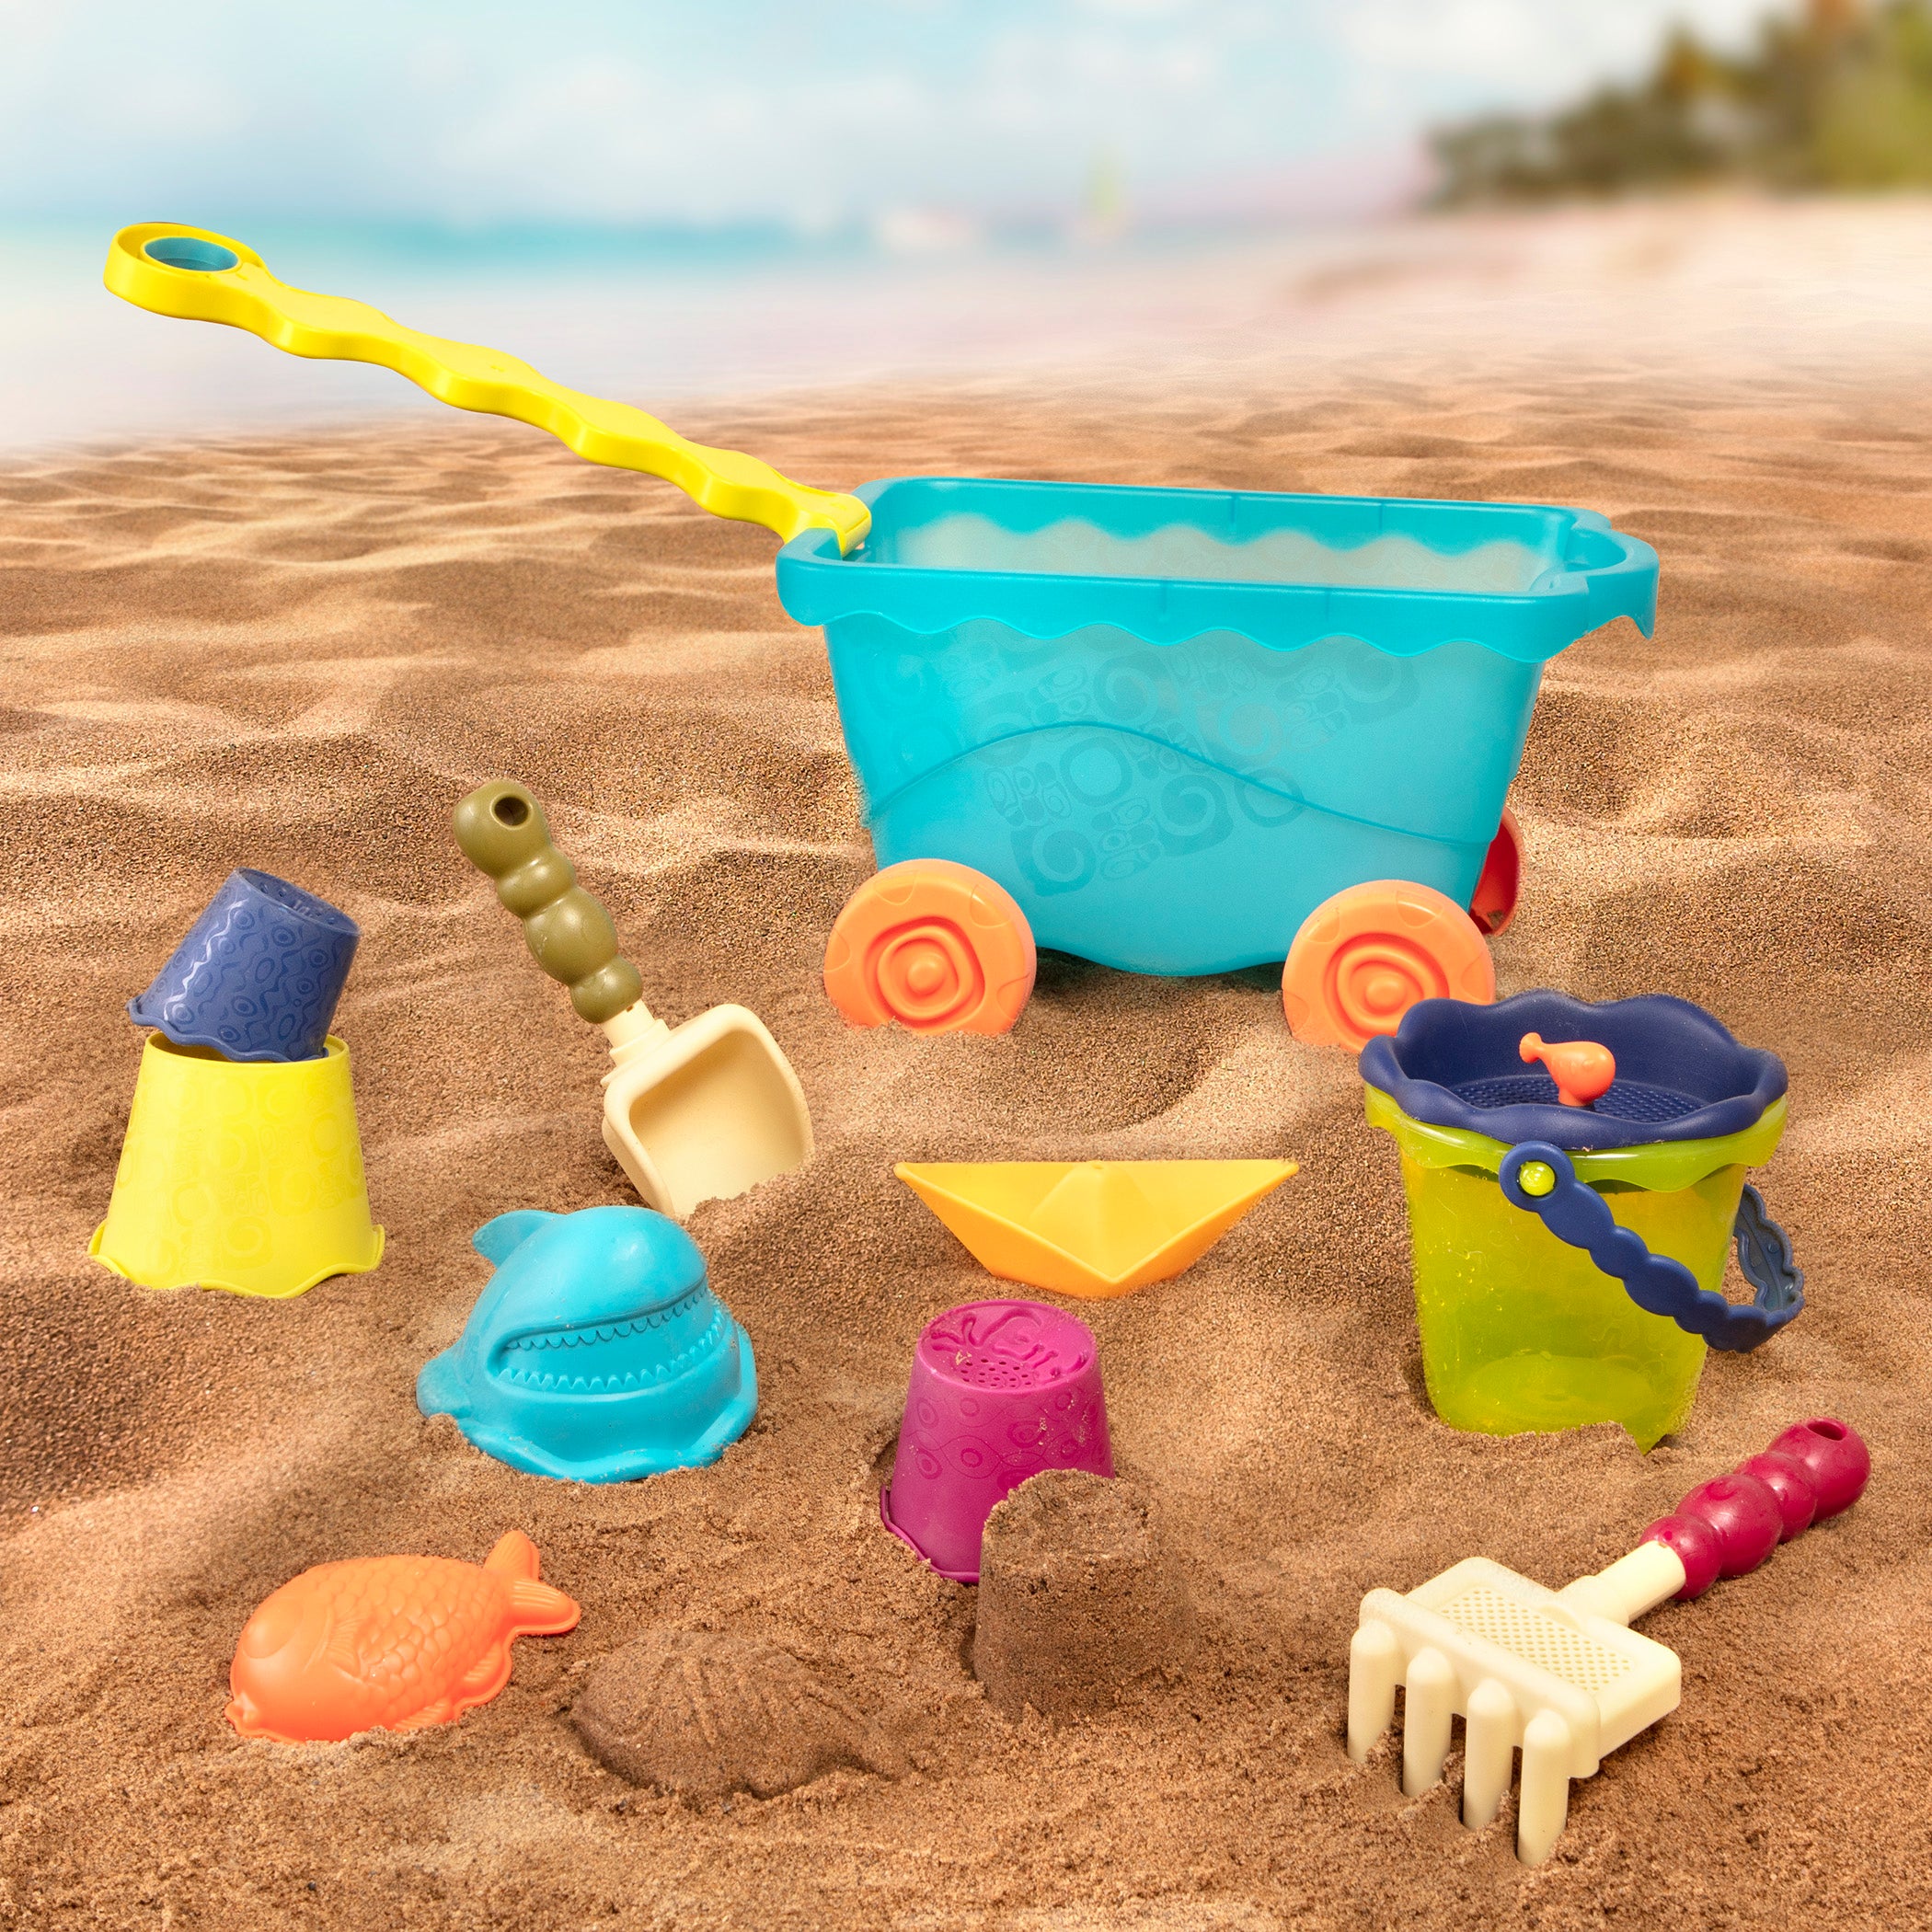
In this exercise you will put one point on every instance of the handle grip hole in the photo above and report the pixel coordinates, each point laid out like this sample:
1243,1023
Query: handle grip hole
188,251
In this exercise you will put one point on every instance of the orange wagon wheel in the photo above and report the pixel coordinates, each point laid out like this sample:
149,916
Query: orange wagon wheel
1493,904
1365,956
935,946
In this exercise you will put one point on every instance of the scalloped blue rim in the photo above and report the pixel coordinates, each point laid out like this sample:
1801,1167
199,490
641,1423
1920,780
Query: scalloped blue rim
1446,1043
1604,574
206,1036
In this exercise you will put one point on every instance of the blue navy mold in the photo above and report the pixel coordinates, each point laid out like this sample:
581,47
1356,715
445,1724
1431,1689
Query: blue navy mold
598,1352
259,975
1681,1074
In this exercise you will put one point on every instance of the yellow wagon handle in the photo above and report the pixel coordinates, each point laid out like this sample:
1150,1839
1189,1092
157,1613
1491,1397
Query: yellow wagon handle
204,277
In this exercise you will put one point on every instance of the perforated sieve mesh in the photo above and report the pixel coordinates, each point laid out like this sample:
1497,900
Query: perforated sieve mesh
983,1368
1535,1637
1007,1345
1624,1100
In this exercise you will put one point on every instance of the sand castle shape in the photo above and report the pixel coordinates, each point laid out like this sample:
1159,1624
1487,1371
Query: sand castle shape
240,1175
1092,1228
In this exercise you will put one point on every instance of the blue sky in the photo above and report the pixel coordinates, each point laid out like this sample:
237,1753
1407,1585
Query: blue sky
704,111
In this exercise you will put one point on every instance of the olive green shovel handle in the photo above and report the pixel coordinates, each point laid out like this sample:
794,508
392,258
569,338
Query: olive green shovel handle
503,832
701,1111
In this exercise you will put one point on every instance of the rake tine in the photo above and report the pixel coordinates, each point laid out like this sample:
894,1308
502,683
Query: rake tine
1428,1710
1488,1742
1374,1670
1545,1804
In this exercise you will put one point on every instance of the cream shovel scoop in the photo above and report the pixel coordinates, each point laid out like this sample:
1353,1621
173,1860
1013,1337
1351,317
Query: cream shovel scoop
696,1112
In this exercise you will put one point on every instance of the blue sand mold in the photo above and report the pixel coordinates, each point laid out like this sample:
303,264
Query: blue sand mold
598,1351
259,975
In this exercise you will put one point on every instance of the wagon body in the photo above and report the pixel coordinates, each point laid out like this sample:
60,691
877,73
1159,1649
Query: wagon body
1171,723
1171,730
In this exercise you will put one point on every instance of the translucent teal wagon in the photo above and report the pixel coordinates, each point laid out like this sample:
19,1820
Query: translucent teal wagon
1188,731
1171,730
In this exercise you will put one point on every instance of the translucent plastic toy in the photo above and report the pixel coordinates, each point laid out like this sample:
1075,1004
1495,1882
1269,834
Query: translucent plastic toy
598,1351
1172,731
397,1643
1559,1675
999,1391
1569,1257
243,1175
701,1111
1092,1228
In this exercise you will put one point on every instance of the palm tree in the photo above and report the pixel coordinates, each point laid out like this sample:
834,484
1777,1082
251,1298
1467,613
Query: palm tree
1840,97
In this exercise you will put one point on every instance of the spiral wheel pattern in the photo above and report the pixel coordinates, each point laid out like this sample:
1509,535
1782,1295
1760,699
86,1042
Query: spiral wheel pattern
935,946
1365,957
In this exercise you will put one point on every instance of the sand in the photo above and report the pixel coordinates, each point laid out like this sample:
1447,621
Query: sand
298,654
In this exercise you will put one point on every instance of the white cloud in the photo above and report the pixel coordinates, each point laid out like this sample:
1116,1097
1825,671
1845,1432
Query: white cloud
1525,47
1137,9
598,109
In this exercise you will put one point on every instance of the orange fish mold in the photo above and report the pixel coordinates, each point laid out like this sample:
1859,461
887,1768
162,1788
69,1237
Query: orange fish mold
396,1643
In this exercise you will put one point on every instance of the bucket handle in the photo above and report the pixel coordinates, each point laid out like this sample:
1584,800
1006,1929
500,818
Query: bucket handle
1659,1285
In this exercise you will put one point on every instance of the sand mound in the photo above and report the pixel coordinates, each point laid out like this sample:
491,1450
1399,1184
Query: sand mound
706,1714
1078,1602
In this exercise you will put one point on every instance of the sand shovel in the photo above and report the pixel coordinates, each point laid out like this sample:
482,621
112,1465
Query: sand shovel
696,1112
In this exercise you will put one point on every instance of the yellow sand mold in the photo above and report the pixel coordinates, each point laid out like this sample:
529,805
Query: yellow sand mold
1092,1228
243,1175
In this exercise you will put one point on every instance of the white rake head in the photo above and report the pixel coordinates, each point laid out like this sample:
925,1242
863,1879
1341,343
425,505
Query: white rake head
1558,1673
1553,1673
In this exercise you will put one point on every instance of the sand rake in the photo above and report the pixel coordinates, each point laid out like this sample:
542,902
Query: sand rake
1559,1673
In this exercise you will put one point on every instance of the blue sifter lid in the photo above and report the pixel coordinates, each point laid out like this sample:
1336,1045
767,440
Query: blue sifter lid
1681,1074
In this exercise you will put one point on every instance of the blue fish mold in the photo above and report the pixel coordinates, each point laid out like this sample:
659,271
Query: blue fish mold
598,1351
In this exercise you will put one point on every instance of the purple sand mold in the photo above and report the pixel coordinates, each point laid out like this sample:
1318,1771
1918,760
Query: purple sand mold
1000,1390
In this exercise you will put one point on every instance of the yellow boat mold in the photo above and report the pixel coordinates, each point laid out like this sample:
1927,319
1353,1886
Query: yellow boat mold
1091,1228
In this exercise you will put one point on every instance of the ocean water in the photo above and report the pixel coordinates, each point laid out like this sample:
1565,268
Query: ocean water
1742,292
649,319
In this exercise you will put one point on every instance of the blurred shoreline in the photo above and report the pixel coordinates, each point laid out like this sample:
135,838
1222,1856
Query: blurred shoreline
1720,284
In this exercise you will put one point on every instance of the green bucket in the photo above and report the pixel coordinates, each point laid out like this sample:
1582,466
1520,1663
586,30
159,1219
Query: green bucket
1522,1327
1522,1331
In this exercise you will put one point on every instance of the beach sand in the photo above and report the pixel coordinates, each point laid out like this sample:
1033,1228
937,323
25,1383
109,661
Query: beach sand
297,654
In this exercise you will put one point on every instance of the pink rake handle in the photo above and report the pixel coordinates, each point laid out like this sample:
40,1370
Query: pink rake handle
1729,1526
